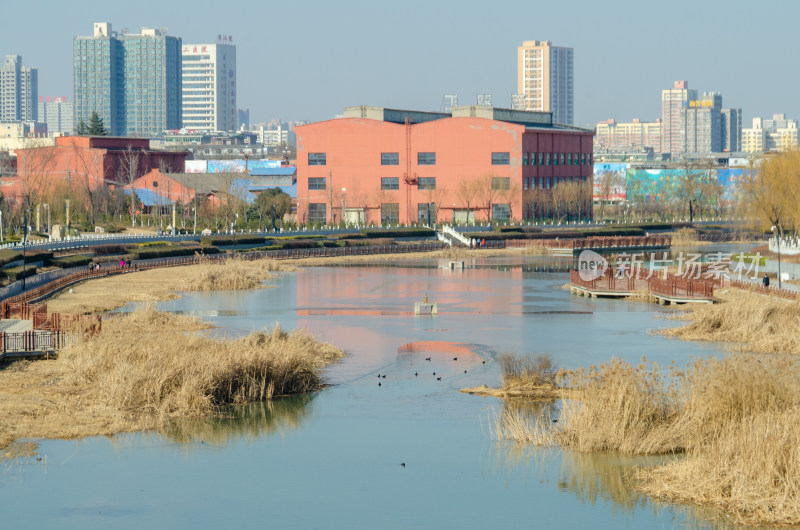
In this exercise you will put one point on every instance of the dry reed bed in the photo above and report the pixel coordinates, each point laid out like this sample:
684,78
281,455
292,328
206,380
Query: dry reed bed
146,369
685,237
733,419
106,294
750,322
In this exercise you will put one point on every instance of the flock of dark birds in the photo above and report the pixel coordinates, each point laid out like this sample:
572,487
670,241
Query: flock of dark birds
416,374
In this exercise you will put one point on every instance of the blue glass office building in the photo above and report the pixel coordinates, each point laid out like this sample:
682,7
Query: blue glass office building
133,81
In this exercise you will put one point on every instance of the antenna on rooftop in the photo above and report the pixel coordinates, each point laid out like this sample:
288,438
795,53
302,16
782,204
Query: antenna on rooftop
484,100
448,102
518,101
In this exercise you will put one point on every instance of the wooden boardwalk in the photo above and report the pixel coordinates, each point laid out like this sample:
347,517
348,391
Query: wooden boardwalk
670,290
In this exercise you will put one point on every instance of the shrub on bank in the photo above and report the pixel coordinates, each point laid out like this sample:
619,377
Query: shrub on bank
400,232
376,241
17,273
228,240
66,262
166,252
8,255
105,250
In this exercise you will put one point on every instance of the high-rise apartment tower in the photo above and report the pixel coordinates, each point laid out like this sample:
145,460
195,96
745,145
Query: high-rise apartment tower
209,87
56,112
673,101
132,81
545,79
19,91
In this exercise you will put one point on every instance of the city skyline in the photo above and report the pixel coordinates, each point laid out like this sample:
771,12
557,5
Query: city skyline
613,78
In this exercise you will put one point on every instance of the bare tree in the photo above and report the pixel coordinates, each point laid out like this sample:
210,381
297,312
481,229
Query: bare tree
35,164
467,193
129,166
690,187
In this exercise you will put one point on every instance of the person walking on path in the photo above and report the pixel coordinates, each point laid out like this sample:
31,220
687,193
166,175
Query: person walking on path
765,281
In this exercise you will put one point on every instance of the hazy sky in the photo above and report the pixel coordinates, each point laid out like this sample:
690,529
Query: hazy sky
307,60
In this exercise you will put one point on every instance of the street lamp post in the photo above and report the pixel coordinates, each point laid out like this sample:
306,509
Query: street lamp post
24,243
235,222
66,216
778,241
194,231
344,207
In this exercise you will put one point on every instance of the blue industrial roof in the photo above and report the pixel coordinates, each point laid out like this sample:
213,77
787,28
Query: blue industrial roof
149,197
273,171
244,188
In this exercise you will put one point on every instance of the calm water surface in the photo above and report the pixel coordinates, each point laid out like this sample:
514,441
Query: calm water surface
333,459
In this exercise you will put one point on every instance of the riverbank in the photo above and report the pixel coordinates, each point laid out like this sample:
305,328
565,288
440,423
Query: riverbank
749,322
155,285
732,420
145,370
112,292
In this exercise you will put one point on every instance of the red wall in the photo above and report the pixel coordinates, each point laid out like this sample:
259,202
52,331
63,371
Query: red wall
40,169
463,148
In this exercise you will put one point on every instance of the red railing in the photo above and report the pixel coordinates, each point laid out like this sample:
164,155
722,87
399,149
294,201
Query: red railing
772,290
671,285
596,242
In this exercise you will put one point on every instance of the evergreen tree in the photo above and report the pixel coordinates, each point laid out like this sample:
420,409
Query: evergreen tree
96,126
80,129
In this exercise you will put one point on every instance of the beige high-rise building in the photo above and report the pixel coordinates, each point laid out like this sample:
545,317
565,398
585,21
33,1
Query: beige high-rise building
545,79
673,101
776,134
630,136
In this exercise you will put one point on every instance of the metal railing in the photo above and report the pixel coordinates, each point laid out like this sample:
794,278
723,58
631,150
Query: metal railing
82,274
671,285
35,341
772,290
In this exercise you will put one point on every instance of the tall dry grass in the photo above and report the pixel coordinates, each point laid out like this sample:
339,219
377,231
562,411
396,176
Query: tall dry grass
527,373
235,273
733,419
749,321
144,363
685,237
147,369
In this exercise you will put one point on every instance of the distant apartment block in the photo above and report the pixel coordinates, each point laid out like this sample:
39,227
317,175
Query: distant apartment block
731,130
22,129
19,90
776,134
545,79
209,87
56,112
701,124
243,119
673,102
692,123
633,136
132,80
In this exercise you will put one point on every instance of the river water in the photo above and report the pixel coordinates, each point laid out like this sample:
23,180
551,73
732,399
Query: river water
335,459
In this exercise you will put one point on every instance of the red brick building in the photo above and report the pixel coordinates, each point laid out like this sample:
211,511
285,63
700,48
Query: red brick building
390,166
86,161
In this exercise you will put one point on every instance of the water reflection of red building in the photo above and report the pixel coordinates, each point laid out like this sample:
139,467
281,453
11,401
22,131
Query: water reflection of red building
372,291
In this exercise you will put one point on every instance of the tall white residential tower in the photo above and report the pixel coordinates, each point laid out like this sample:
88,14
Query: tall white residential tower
209,86
545,79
